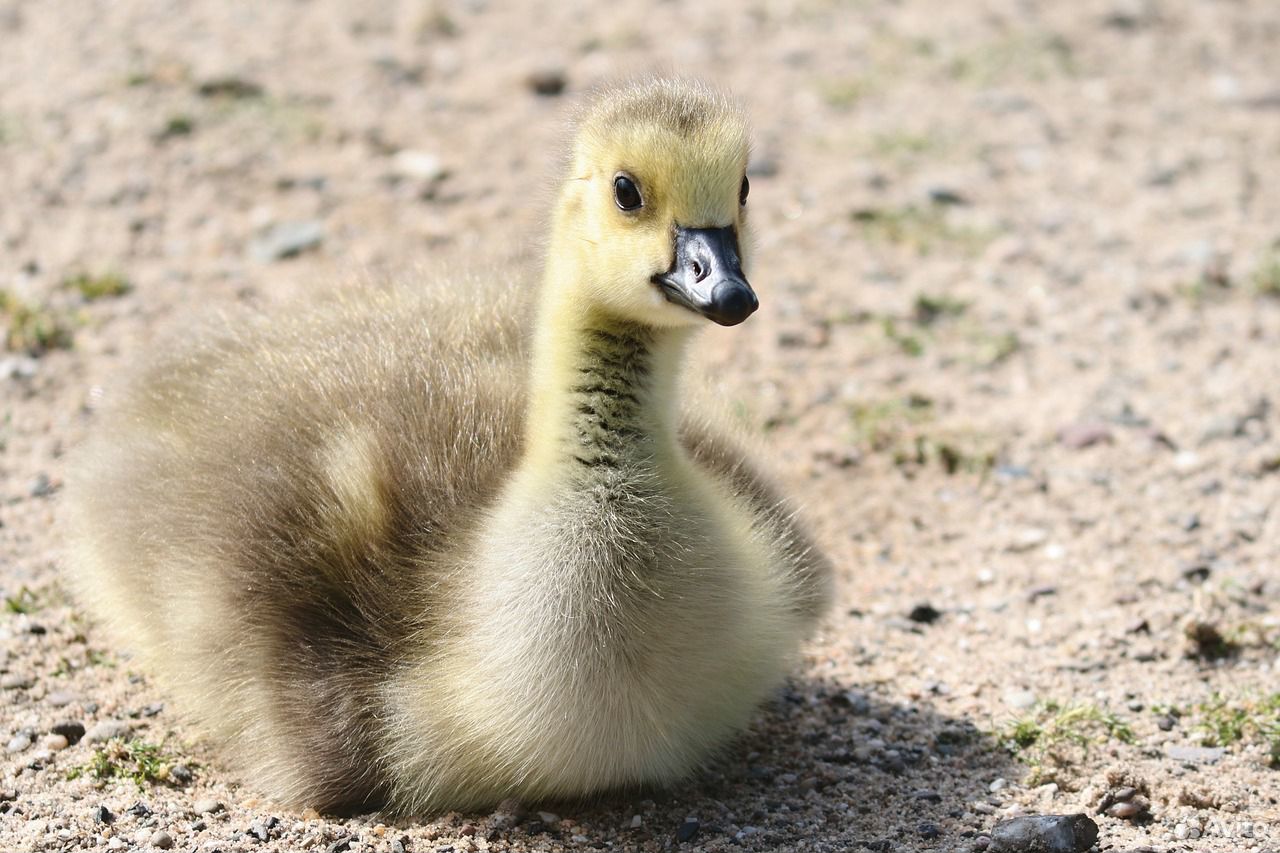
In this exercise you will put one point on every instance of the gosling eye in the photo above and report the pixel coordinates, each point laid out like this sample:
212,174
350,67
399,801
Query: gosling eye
742,193
626,194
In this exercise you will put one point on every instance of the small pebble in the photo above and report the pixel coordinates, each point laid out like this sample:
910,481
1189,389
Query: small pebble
419,165
928,831
924,613
854,700
69,729
106,730
206,806
287,240
42,486
18,367
1197,572
636,821
182,775
947,197
103,815
1041,592
161,839
57,743
60,698
1027,539
140,809
1078,436
549,818
19,743
15,681
548,82
1124,810
687,831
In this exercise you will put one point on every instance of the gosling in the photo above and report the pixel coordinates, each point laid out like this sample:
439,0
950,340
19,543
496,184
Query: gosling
433,546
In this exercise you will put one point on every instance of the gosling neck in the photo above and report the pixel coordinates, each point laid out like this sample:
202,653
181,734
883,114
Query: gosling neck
605,391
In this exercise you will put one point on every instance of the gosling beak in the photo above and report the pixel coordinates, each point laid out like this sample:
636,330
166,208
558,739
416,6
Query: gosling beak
706,276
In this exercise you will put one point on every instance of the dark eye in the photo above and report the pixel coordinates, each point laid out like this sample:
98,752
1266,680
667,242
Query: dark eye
626,193
746,188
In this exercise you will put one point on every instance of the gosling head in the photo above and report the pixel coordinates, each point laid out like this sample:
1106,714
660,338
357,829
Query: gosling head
654,213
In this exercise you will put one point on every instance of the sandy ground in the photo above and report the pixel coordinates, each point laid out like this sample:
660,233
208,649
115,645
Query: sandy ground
1017,356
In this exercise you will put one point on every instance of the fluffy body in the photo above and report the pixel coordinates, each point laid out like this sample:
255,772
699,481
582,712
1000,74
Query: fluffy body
394,550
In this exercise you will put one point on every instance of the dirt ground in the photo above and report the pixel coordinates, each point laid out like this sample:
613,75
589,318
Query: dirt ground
1017,357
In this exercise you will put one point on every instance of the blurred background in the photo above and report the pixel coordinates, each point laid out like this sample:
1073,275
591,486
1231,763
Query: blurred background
1016,359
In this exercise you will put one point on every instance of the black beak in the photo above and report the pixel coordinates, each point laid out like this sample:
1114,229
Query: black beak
706,276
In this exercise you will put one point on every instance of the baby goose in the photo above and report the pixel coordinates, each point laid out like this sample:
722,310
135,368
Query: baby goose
389,564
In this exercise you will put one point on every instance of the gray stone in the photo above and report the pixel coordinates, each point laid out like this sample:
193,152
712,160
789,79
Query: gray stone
42,487
15,681
106,730
287,240
1044,834
18,743
18,367
61,698
206,806
161,839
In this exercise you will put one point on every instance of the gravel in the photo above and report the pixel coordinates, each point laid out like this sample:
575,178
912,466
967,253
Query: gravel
914,374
